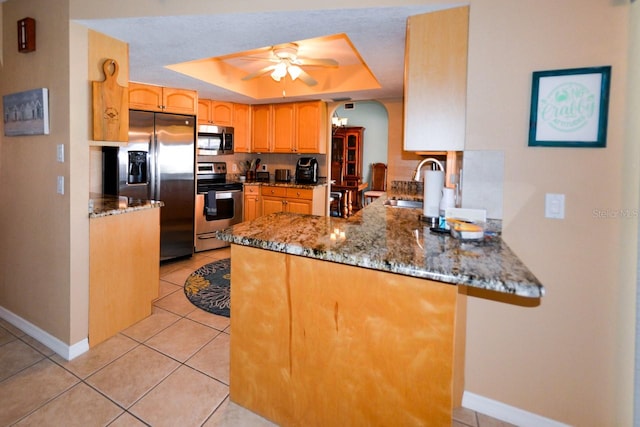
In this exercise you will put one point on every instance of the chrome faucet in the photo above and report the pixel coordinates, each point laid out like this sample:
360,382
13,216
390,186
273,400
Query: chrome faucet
422,163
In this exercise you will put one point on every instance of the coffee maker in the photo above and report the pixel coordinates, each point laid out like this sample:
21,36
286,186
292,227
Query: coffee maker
307,170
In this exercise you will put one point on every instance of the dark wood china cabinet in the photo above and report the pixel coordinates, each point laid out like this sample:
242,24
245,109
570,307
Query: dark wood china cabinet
346,165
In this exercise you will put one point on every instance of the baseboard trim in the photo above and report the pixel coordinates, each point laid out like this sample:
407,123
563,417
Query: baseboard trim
506,413
66,351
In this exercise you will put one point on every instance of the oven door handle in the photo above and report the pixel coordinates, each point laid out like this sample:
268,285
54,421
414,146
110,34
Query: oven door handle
206,236
224,194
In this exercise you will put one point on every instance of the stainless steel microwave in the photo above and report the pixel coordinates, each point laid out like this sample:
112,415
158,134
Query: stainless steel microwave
214,140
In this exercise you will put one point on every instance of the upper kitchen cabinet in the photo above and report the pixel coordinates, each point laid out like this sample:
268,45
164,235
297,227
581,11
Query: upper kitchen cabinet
299,127
283,128
167,100
435,88
311,127
261,128
217,113
242,128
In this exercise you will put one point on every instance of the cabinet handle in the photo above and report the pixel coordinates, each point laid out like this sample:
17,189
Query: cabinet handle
298,193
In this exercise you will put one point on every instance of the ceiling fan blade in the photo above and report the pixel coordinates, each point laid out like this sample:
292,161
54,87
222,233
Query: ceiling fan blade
323,62
260,72
307,79
258,58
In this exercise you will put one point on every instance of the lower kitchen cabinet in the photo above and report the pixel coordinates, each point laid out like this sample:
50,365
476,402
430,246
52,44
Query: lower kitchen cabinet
124,271
292,199
252,202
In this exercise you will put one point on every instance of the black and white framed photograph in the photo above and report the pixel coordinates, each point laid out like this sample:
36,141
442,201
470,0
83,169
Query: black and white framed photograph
26,113
569,108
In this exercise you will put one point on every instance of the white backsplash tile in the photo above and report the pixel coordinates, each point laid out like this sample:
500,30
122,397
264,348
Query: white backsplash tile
483,180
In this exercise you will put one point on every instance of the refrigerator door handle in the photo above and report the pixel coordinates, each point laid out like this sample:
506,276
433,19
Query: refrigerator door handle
155,172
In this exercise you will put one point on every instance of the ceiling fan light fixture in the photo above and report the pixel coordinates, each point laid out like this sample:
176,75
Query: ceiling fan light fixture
294,71
279,71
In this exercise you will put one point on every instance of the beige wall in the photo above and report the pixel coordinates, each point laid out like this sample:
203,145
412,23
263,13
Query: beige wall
565,358
35,222
569,359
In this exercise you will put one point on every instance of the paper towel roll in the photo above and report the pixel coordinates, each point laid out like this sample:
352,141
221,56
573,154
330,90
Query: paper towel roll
433,183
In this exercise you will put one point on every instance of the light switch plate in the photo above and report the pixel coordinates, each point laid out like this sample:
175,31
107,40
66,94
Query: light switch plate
554,206
60,153
60,184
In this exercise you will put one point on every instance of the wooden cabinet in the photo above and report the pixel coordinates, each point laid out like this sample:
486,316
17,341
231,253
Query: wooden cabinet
319,321
242,128
346,155
124,271
309,201
252,202
289,128
157,98
261,128
311,127
211,112
435,87
273,199
283,132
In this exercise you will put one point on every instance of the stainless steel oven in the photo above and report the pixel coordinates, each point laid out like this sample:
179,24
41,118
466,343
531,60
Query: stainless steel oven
218,204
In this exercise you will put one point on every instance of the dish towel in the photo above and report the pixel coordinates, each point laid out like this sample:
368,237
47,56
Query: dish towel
210,207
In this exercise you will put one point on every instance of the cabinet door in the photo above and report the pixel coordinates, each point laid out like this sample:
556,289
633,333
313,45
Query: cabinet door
261,128
180,101
299,206
252,202
204,111
222,113
283,128
435,89
145,97
311,127
272,204
352,157
242,128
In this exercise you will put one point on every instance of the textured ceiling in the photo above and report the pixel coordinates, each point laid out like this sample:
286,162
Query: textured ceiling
378,34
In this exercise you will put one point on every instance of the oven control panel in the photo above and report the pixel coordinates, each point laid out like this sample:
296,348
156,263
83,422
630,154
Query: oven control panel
211,168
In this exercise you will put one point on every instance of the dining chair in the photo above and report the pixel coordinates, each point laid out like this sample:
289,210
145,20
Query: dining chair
378,182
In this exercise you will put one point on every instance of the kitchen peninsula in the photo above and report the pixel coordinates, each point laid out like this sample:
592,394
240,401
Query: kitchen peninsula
357,320
124,263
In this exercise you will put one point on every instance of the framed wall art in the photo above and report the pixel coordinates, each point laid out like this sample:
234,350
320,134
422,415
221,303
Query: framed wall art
569,108
26,113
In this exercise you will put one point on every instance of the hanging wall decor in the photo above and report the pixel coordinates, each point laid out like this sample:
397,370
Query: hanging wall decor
569,108
26,35
26,113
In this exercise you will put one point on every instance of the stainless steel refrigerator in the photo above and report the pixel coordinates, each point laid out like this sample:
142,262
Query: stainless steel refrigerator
158,163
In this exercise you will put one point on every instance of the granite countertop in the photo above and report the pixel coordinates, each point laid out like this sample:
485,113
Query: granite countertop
290,184
393,240
104,205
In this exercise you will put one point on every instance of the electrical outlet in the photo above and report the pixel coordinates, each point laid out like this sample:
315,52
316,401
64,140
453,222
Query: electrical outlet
60,153
234,168
263,167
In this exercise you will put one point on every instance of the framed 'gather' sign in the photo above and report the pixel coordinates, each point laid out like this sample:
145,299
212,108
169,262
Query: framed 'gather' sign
569,108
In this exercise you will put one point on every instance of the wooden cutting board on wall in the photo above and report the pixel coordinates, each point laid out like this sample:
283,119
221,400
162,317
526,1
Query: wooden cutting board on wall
110,106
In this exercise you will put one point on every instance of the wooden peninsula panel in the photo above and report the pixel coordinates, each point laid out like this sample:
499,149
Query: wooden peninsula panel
124,271
314,342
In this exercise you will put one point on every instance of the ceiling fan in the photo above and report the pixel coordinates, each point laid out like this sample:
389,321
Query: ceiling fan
285,60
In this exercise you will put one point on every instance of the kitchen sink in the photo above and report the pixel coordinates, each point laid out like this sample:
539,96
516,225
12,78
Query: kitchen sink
400,203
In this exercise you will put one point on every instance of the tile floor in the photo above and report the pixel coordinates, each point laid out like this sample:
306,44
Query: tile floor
171,369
